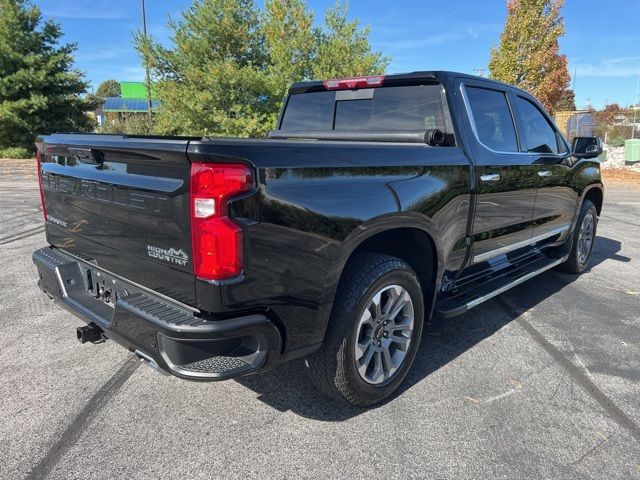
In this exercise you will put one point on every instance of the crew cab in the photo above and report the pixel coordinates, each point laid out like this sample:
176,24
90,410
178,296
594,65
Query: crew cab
377,204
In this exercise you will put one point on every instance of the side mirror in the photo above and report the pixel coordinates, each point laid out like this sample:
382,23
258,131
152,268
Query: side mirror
586,147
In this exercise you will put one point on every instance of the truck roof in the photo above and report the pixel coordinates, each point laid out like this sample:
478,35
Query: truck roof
410,78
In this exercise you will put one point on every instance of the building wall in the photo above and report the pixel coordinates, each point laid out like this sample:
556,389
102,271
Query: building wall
133,90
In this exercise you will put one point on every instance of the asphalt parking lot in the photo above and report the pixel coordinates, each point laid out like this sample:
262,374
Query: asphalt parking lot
542,382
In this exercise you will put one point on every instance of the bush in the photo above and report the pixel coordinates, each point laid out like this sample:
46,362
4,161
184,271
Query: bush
128,124
616,141
615,134
15,152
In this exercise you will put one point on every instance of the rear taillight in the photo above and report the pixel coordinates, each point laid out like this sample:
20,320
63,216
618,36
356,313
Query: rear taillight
354,82
216,239
39,173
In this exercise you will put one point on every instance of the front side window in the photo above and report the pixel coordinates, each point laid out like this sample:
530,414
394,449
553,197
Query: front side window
539,134
492,118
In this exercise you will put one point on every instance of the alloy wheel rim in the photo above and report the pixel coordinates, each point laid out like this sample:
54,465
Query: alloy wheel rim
585,238
384,334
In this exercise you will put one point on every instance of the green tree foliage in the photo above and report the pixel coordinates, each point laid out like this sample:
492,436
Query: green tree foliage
39,89
15,152
210,82
528,54
290,44
108,88
343,48
230,64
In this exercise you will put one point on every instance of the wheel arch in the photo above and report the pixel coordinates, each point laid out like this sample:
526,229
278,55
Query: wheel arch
596,195
412,239
412,245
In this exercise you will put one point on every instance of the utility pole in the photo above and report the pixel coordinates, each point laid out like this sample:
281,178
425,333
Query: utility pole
635,111
146,61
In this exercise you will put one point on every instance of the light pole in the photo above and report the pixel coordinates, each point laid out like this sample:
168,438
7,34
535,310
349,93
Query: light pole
146,60
635,111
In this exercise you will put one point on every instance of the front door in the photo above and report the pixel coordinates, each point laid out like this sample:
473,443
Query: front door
506,177
556,198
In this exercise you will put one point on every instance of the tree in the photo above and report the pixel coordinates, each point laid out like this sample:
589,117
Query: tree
290,46
210,82
39,89
528,54
614,124
567,102
344,49
608,114
108,88
230,64
296,50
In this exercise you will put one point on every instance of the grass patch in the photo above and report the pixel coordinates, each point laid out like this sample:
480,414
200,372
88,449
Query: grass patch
15,152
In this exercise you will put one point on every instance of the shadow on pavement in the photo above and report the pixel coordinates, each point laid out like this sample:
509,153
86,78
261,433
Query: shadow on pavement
607,249
288,388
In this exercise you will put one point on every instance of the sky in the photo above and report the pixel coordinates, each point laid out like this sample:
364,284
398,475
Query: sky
602,40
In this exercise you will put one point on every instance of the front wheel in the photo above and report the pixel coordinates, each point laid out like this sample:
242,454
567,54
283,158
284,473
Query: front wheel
374,331
584,240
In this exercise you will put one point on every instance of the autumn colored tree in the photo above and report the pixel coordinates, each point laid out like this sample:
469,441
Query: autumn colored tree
614,123
528,54
567,101
608,114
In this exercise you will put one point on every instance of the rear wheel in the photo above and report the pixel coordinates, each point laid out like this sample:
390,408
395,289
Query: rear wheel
374,332
584,239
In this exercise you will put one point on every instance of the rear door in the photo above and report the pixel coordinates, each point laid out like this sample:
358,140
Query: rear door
122,203
505,177
556,198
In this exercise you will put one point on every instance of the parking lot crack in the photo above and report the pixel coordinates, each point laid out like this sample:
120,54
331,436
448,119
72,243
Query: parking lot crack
82,421
22,235
576,373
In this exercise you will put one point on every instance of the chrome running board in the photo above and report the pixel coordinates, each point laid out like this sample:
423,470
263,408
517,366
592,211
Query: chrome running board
457,303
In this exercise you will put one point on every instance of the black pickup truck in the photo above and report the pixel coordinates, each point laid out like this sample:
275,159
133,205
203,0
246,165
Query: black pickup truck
377,204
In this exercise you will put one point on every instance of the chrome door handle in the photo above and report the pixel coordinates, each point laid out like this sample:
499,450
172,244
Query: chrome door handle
490,177
544,173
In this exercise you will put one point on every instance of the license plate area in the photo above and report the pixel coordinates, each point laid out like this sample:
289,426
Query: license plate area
79,289
103,287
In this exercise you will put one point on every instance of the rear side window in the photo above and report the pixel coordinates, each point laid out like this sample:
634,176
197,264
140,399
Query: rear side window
539,134
492,119
386,109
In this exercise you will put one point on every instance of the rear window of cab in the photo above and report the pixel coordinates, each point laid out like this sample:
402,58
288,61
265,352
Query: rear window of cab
385,109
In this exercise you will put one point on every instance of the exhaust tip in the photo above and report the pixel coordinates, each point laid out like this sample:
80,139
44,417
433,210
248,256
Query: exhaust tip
147,360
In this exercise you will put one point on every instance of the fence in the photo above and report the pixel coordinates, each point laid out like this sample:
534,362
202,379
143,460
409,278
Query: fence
579,123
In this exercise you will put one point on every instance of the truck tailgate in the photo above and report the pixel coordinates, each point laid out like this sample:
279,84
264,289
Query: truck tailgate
123,204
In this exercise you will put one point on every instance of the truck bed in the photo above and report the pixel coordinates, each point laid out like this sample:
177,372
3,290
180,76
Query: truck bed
122,203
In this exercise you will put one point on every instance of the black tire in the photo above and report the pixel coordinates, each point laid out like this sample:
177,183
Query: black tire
577,261
333,368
